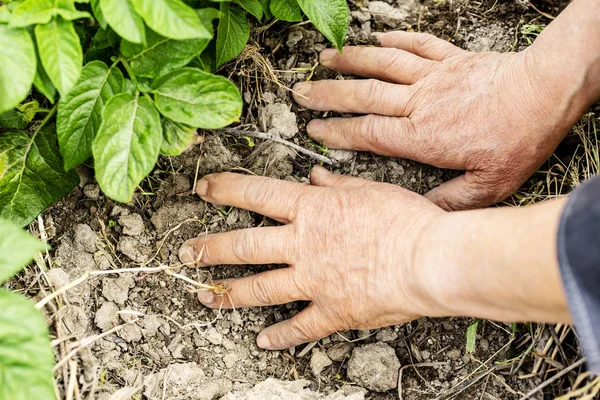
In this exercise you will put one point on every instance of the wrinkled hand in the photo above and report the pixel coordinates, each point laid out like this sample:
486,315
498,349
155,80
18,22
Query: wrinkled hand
349,244
492,115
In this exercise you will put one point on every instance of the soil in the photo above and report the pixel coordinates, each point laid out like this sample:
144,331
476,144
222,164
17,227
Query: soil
161,343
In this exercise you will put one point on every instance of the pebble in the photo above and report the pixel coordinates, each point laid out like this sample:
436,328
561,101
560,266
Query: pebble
339,351
319,361
375,367
132,224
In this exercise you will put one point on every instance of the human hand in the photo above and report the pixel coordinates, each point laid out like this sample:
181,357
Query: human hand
496,116
349,244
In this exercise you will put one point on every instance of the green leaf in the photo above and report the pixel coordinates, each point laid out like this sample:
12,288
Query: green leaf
253,7
127,145
172,18
207,15
98,13
196,98
31,174
80,113
4,14
60,52
17,55
233,33
26,357
177,138
266,6
330,17
161,54
19,117
472,337
42,81
286,10
35,12
17,249
122,17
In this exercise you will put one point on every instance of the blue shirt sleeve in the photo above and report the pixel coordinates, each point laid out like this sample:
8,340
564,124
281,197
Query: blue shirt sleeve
579,257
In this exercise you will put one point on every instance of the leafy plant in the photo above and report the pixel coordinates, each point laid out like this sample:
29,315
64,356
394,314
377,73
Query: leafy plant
135,78
26,358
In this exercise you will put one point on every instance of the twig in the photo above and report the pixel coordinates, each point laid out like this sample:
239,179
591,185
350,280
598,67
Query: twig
90,340
550,17
554,378
72,380
276,139
415,366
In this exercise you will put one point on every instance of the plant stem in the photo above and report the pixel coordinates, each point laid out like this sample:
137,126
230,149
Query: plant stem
129,72
276,139
46,119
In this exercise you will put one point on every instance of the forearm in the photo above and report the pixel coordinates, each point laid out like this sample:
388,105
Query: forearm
499,264
566,58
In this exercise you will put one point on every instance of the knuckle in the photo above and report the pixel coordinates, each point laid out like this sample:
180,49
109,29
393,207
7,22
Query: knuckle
260,291
369,93
371,132
245,247
423,40
298,332
258,194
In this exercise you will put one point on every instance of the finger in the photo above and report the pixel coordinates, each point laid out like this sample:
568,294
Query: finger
319,176
269,288
364,96
305,327
421,44
463,193
382,135
389,64
269,245
271,197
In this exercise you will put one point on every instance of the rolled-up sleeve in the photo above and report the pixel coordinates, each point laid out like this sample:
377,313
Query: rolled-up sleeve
579,257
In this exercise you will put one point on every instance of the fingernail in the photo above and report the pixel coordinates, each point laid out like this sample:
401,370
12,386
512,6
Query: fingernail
315,128
378,36
187,255
302,88
263,342
326,56
206,298
202,187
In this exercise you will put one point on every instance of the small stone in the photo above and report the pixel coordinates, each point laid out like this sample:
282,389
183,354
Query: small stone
132,224
375,367
84,238
213,336
92,191
341,156
361,16
132,248
454,354
319,361
131,333
106,317
231,360
339,351
117,290
279,120
390,15
386,335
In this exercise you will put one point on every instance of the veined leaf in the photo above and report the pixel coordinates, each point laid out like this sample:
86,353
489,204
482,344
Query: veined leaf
80,113
42,81
31,174
161,54
197,98
123,19
177,137
330,17
127,145
172,18
25,352
233,33
60,52
98,13
36,12
17,249
286,10
17,66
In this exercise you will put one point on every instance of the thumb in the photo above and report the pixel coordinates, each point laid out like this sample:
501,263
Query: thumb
464,192
319,176
308,326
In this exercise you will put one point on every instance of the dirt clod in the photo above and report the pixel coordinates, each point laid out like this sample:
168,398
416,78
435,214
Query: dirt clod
132,224
319,361
374,366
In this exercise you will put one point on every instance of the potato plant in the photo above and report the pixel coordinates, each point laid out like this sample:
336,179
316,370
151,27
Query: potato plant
112,84
123,81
